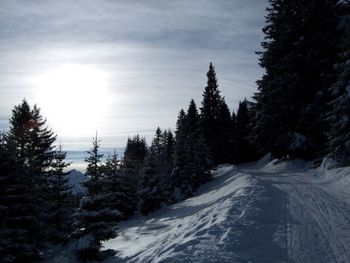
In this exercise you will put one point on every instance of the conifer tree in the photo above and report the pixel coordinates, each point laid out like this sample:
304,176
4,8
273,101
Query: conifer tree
61,202
94,220
29,153
246,151
339,135
234,136
117,186
226,140
155,188
214,119
131,168
134,156
192,156
167,156
300,49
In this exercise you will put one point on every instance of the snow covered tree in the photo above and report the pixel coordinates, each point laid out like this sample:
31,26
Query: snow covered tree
95,219
192,156
155,187
214,119
61,201
117,186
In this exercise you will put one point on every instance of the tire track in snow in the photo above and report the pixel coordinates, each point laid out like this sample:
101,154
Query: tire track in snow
316,225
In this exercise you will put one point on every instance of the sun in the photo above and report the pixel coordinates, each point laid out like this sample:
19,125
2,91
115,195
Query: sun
73,98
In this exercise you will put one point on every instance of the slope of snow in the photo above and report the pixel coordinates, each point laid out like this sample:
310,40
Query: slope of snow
213,226
269,211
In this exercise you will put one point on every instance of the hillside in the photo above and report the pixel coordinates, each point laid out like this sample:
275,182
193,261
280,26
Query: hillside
261,212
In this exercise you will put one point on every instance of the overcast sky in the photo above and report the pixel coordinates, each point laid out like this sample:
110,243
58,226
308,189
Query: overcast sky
153,56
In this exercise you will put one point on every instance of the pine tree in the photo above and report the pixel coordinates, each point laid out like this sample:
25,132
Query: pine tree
155,188
300,47
117,186
192,156
226,140
182,182
243,132
132,165
134,156
29,154
214,119
339,135
167,155
234,138
94,220
61,202
17,221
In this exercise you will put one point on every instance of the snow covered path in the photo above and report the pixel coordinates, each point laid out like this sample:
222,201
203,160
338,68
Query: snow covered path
275,212
317,217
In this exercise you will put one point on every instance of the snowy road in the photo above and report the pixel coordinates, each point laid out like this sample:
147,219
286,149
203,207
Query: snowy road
317,213
272,212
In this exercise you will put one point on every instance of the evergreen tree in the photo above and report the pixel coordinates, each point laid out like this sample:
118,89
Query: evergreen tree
300,48
192,156
94,220
339,135
234,136
117,186
28,156
134,156
225,141
245,149
61,203
132,166
214,119
167,155
155,183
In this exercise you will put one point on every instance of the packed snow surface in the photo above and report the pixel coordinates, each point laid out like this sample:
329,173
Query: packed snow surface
269,211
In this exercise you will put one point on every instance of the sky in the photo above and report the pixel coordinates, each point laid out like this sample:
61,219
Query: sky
124,67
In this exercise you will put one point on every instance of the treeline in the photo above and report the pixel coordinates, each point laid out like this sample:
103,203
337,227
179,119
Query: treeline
301,110
168,171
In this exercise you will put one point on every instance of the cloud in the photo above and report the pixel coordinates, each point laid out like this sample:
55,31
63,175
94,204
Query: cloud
155,53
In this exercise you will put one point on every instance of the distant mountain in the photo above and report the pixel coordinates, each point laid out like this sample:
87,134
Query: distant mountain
75,179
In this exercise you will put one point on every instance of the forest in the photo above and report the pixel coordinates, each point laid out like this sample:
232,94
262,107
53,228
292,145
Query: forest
301,110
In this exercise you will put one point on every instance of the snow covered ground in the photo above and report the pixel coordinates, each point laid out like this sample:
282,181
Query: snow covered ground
261,212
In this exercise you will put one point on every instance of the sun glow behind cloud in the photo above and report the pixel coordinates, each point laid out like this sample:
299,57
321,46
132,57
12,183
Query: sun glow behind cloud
74,98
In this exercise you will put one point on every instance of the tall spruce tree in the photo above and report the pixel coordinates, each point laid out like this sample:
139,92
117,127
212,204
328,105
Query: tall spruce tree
117,186
29,153
300,47
61,203
155,189
234,136
214,119
95,218
132,165
338,116
192,156
246,151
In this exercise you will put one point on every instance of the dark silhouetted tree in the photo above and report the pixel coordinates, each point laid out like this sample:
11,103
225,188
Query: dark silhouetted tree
95,219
